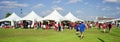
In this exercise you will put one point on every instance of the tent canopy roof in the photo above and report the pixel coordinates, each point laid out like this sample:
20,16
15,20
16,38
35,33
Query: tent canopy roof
55,15
71,17
31,16
12,17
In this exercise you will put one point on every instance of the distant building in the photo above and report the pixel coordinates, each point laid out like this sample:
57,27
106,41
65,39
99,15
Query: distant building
103,19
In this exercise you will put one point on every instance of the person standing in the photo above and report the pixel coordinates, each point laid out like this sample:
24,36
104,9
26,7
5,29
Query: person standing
109,26
82,28
21,24
117,25
104,27
35,24
77,28
56,26
47,27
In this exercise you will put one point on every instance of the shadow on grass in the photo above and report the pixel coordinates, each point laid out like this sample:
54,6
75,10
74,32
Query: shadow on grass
101,39
79,36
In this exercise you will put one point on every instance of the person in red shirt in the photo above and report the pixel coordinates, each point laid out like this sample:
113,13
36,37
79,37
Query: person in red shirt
21,24
41,24
104,27
88,25
47,27
73,25
35,24
97,24
56,26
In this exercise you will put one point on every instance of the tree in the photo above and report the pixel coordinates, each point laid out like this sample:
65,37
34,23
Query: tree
7,15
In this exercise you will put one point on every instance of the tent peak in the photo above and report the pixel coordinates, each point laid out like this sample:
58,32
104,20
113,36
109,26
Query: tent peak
55,11
13,13
55,15
72,18
69,12
32,12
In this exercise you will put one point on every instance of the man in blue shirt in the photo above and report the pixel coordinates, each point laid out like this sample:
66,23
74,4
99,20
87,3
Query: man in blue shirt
82,28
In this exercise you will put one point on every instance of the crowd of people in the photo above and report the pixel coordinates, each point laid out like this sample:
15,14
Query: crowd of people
60,26
105,26
80,27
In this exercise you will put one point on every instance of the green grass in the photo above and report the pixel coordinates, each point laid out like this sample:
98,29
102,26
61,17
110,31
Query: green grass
39,35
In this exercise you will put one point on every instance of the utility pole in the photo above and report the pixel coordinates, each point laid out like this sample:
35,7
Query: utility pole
21,11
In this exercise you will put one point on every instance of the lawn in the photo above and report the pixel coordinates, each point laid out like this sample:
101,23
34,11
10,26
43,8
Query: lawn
39,35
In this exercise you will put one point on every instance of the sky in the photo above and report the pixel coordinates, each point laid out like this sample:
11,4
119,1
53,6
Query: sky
82,9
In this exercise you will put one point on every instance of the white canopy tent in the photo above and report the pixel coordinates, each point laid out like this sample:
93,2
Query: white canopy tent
55,15
13,17
32,16
71,17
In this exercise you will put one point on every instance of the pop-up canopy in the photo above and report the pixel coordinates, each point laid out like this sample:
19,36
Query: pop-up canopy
54,16
32,16
12,17
71,17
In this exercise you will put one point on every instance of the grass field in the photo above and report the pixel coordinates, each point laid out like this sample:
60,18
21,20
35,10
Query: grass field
39,35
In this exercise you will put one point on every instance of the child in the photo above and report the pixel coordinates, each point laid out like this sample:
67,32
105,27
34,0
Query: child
77,28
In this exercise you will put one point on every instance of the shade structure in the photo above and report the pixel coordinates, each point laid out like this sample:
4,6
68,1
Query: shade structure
71,17
12,17
55,15
32,16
